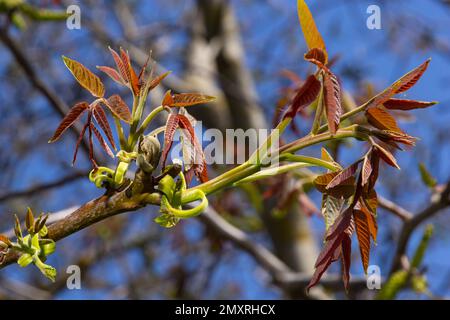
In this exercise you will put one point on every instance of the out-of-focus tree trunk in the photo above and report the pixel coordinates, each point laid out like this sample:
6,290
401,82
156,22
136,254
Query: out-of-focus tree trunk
216,60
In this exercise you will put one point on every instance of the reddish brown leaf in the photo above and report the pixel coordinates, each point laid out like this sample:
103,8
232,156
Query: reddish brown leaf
171,127
120,65
80,138
401,104
346,260
91,143
362,232
391,137
190,99
343,175
156,81
344,190
100,116
305,95
341,224
119,108
411,78
381,119
321,268
102,142
131,75
73,115
199,167
386,156
367,169
371,219
112,73
167,100
85,77
332,99
401,85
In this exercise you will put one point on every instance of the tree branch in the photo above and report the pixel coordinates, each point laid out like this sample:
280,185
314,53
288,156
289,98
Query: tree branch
439,202
42,187
394,208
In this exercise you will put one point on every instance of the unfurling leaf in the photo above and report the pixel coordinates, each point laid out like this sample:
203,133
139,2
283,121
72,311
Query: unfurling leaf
401,104
332,96
305,95
85,77
426,176
382,119
119,108
73,115
310,32
198,162
316,56
171,127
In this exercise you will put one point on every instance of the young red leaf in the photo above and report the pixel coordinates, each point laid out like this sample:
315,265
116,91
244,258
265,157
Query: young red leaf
190,99
112,73
370,215
73,115
411,78
199,167
100,116
401,85
367,169
392,137
382,119
331,257
344,190
305,95
167,100
344,175
102,142
332,98
131,74
120,65
171,127
85,77
346,260
401,104
91,143
363,235
156,81
119,108
80,138
386,156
